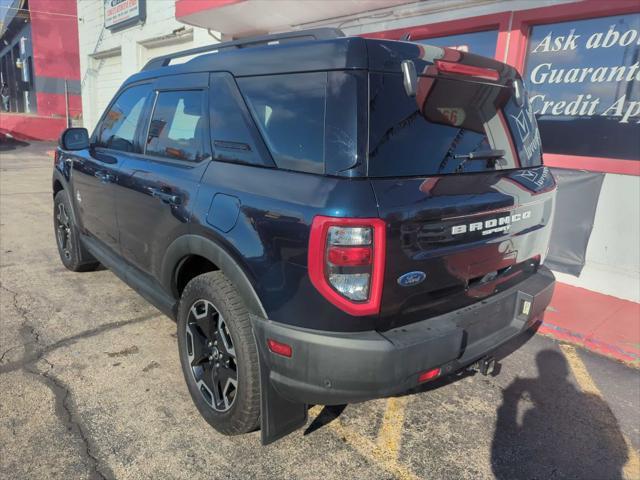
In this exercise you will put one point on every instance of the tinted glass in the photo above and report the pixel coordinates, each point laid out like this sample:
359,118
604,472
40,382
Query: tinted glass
431,133
289,111
231,133
584,85
178,125
346,120
118,127
480,43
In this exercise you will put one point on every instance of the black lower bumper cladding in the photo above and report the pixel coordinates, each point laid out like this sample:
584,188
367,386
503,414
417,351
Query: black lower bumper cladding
331,368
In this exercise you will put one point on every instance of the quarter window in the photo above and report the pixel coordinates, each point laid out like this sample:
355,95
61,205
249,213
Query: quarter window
177,126
290,111
118,127
233,138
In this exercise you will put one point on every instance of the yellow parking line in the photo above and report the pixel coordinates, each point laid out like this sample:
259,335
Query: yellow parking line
383,458
391,431
631,469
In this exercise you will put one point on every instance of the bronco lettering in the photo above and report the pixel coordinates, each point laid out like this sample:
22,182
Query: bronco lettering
493,225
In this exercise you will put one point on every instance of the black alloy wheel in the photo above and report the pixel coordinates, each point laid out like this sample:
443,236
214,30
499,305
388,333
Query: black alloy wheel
73,254
212,356
63,231
218,354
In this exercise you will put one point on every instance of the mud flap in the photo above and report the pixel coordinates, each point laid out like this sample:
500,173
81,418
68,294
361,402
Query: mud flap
278,416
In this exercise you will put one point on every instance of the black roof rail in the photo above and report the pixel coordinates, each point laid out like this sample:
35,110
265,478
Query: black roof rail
310,34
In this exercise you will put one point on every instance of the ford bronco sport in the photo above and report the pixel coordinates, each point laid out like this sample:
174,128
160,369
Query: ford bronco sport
329,219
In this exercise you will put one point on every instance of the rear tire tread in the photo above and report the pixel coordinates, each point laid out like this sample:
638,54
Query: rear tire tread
245,413
81,260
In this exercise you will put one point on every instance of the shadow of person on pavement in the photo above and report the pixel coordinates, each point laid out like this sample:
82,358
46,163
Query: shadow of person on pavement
547,428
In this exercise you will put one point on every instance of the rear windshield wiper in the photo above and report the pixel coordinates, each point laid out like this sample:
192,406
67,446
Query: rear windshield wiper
479,155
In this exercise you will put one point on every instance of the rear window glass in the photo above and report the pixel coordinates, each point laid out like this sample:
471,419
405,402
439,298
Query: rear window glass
431,133
290,111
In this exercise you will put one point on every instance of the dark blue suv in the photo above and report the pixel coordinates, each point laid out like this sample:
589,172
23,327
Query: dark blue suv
329,219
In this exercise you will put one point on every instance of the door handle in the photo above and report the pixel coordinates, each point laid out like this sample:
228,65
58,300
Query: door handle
103,176
166,197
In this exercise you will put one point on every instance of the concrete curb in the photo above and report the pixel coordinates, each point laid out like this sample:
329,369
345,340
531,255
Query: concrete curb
601,323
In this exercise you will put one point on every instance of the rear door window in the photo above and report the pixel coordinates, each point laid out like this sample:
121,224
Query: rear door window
178,126
290,113
432,133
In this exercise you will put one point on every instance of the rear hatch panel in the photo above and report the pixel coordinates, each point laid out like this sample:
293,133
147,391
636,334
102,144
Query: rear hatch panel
471,235
468,227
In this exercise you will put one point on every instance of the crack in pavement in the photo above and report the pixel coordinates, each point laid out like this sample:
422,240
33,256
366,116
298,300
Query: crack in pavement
35,351
34,356
22,313
11,349
65,411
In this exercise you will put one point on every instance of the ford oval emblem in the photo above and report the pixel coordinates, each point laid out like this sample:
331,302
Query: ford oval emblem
412,278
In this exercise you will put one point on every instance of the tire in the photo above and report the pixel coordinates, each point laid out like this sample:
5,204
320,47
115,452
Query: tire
214,329
72,253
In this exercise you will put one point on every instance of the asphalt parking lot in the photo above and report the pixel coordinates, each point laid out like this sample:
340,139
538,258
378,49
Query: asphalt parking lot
91,387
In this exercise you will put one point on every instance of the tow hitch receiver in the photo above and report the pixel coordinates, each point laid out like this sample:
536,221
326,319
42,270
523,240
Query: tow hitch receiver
486,366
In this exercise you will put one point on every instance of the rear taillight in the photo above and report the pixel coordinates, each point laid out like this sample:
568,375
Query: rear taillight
346,262
349,256
469,70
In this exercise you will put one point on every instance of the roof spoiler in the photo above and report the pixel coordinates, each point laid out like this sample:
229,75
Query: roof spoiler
310,34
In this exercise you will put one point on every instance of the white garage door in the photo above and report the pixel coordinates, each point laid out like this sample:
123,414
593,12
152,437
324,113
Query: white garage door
108,79
150,53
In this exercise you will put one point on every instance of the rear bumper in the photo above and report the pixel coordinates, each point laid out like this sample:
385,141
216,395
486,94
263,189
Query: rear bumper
331,368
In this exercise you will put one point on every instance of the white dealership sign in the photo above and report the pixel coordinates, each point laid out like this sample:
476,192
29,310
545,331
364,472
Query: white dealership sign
573,48
118,13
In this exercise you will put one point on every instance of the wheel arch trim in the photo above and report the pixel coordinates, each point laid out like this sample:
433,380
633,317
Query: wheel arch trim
60,178
198,245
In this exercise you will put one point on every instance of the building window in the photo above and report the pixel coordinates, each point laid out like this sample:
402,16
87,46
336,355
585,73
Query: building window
480,43
584,86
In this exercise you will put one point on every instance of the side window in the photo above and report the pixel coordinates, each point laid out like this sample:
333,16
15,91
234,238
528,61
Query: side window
232,133
118,127
178,125
290,111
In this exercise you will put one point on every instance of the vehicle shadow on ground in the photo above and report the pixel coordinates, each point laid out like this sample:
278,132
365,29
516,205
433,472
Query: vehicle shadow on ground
328,414
548,428
7,143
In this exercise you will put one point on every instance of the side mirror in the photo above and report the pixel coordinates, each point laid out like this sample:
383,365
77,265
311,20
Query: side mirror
74,139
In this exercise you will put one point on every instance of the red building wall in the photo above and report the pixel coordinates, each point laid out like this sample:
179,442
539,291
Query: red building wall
54,38
54,27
